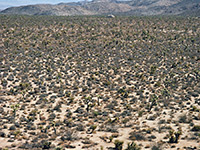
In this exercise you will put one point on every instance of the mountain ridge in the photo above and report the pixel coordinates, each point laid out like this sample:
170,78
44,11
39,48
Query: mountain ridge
99,7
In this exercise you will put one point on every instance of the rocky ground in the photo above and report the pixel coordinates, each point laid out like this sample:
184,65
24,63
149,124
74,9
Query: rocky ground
99,83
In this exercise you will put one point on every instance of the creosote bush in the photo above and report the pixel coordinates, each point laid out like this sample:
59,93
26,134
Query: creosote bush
118,145
132,146
174,136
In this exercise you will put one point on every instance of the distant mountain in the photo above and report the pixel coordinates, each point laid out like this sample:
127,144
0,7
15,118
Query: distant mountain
162,7
120,7
191,7
47,9
105,7
2,7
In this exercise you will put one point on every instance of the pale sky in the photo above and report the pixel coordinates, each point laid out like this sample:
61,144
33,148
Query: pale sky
8,3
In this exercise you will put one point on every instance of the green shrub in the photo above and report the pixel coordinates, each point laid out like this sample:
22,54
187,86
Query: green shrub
174,136
132,146
118,145
196,128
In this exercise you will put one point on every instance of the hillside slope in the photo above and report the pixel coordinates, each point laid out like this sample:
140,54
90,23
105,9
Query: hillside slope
46,9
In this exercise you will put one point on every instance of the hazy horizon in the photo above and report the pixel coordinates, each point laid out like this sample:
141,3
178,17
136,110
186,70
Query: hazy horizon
11,3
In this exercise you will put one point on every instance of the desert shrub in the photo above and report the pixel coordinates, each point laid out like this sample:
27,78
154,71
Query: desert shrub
174,136
140,113
80,127
137,136
183,119
69,136
118,145
132,146
153,70
92,128
162,121
58,148
196,128
156,147
46,144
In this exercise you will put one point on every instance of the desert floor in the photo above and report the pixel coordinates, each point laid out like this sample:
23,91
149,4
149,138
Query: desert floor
97,83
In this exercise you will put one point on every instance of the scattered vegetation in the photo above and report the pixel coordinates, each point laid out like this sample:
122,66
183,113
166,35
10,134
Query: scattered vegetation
65,79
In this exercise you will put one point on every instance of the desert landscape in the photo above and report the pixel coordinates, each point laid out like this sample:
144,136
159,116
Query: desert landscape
106,7
98,83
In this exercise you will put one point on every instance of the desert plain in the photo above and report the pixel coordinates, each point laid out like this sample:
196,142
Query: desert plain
99,83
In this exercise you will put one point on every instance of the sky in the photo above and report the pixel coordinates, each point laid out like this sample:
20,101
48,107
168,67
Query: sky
8,3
